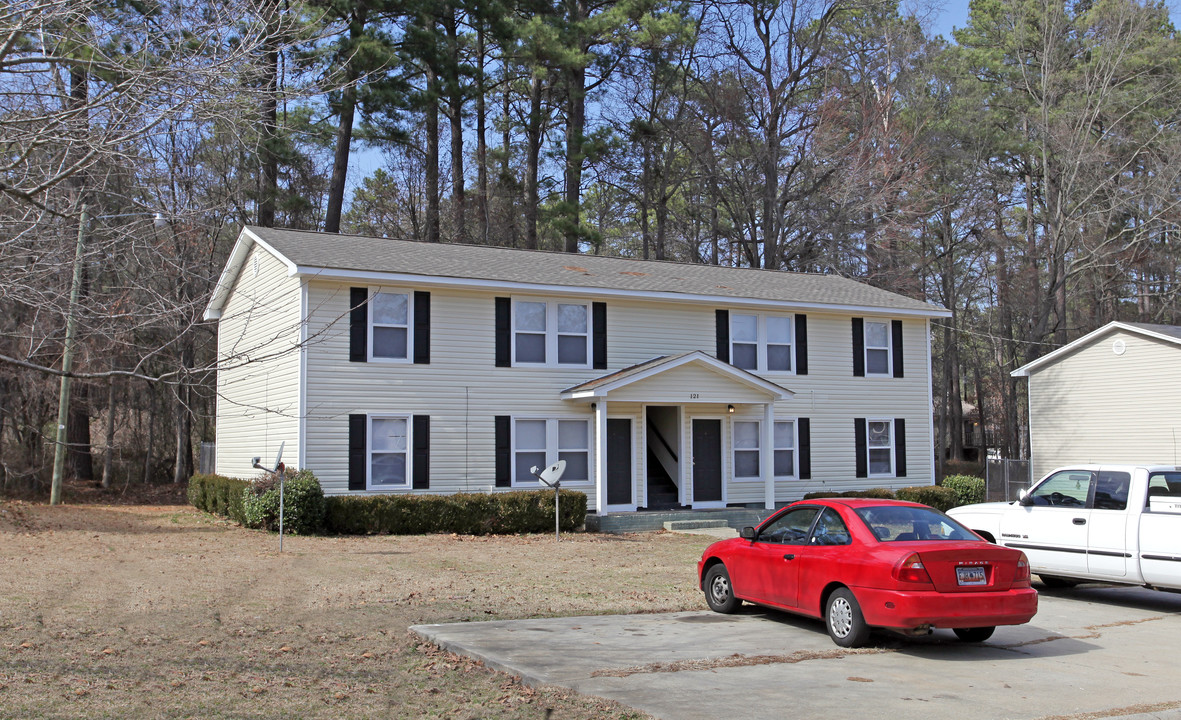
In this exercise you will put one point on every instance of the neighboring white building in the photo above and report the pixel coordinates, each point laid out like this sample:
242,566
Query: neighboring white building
392,366
1112,396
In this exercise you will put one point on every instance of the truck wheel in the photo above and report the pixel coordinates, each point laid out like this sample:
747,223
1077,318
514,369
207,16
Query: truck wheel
1054,582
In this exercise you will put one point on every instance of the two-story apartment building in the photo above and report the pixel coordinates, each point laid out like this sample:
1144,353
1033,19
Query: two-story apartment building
391,366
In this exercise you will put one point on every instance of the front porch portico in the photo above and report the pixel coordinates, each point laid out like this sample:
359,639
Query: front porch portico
705,390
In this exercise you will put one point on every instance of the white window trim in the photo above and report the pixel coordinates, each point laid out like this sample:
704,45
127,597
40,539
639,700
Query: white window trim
369,485
868,465
551,449
761,341
373,292
551,332
795,458
889,347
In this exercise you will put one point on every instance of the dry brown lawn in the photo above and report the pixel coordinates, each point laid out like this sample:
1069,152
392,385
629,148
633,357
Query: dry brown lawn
162,611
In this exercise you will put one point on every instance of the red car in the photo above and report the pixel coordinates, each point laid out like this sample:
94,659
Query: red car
863,564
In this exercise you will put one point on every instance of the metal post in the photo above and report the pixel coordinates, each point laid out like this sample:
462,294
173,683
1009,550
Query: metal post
281,479
557,517
63,400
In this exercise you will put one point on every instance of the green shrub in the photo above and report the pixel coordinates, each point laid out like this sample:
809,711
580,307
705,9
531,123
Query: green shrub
940,498
879,493
967,489
303,504
518,511
218,494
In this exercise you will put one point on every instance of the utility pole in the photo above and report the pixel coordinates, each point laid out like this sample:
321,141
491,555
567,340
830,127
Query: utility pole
63,401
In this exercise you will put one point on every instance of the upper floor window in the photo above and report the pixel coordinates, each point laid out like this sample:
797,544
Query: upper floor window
389,326
551,333
761,342
877,347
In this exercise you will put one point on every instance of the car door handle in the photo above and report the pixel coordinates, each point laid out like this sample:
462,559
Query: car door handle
789,557
1080,521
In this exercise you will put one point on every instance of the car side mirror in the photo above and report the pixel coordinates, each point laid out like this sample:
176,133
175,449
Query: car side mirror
747,533
1024,498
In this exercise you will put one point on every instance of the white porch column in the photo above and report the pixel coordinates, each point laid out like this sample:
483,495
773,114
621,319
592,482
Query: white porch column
601,456
767,455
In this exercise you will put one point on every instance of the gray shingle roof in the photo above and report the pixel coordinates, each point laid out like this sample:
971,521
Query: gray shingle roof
313,251
1171,330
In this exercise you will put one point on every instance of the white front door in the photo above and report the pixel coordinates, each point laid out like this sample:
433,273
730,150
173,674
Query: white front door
1052,530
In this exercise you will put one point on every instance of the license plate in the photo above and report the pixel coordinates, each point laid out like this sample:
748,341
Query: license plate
971,576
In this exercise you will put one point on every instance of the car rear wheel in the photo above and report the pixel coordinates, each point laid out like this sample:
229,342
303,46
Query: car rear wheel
974,635
842,615
719,593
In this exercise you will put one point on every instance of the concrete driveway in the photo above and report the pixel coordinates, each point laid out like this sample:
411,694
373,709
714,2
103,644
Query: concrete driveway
1091,652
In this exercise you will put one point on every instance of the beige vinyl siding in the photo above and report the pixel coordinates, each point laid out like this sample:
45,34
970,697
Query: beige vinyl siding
463,391
1093,406
258,381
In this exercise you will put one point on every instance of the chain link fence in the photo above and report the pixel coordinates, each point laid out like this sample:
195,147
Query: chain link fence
1004,479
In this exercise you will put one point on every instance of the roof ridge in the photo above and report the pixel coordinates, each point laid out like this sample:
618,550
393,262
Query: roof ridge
543,251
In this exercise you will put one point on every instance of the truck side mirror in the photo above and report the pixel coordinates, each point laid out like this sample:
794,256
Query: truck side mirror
1024,499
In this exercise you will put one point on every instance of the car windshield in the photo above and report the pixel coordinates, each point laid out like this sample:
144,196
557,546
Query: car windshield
893,523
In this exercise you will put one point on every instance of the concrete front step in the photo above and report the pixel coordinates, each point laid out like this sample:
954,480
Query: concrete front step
652,521
694,524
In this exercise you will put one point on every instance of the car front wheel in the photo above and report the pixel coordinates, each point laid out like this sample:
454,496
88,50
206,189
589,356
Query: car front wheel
719,593
842,615
974,635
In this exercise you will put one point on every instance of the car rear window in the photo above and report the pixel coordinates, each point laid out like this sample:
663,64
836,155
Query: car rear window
898,523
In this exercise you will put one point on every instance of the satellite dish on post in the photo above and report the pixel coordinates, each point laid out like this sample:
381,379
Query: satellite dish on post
276,470
552,476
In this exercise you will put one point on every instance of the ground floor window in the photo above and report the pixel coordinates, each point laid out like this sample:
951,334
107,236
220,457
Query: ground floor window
880,447
747,440
389,457
542,441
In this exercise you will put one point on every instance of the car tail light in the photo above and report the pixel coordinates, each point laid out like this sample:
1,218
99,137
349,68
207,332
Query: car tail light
911,570
1021,579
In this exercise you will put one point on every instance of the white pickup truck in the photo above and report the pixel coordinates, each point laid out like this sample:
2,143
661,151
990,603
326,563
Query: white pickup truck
1106,523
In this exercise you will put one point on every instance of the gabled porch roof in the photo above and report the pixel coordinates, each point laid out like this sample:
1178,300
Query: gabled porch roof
601,387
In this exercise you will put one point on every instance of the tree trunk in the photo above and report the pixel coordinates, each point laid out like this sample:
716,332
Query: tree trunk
109,455
481,139
183,468
645,197
269,160
432,157
455,107
151,434
344,134
575,127
533,128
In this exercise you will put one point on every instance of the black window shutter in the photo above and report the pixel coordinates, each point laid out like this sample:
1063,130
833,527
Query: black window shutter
896,345
422,328
504,464
503,330
599,338
862,449
804,431
358,324
358,428
858,347
421,440
899,447
723,319
801,344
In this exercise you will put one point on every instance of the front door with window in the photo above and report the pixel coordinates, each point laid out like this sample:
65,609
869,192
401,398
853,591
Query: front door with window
619,461
707,461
